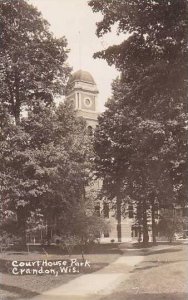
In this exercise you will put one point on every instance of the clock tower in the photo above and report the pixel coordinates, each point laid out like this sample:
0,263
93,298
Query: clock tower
83,93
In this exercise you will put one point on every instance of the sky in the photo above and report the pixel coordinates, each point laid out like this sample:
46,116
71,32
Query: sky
75,20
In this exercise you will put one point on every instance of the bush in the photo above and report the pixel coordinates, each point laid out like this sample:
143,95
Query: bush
170,225
82,231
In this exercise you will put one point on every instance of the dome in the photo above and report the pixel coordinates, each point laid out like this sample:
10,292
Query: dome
83,76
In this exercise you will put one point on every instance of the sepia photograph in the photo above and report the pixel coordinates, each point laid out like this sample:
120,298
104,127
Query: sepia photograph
93,149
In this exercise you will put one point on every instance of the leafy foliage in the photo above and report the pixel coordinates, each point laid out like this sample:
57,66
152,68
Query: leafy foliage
82,230
32,60
169,225
141,142
44,158
45,164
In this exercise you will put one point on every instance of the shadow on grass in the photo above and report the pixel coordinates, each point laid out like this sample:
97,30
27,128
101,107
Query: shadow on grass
160,251
17,292
149,251
159,243
17,253
94,248
156,264
147,296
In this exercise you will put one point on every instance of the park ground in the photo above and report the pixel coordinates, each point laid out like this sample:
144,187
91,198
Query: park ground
161,274
27,286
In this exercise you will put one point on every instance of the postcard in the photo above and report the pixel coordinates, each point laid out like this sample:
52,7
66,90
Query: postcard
93,140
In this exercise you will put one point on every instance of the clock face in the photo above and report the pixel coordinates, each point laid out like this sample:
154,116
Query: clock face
88,102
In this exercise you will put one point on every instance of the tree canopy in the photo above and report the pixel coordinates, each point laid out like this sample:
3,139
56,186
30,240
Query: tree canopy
32,60
45,164
141,142
44,157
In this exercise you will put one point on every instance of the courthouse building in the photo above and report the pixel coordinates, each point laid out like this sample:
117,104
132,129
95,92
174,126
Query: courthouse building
83,92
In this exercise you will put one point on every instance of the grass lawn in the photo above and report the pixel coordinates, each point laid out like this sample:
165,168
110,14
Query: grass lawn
162,275
27,286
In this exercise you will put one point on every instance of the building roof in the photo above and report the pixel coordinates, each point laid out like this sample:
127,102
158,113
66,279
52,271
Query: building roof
83,76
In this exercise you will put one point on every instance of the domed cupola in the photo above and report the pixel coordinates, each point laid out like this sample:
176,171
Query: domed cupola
82,76
83,93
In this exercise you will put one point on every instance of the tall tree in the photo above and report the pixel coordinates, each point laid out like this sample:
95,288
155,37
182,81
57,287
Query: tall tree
32,60
44,149
46,165
145,122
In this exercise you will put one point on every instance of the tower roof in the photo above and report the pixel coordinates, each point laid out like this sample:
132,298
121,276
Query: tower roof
83,76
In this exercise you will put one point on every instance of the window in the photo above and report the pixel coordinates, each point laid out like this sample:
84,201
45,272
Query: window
78,97
178,212
130,211
97,209
106,210
156,210
90,130
136,232
185,212
106,234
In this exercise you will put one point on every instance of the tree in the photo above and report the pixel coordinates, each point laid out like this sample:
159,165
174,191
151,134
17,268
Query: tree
169,225
82,230
45,165
32,60
145,122
43,149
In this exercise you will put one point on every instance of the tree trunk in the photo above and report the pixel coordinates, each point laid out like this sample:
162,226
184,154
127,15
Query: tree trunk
21,218
145,225
139,235
17,92
118,204
17,119
153,224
